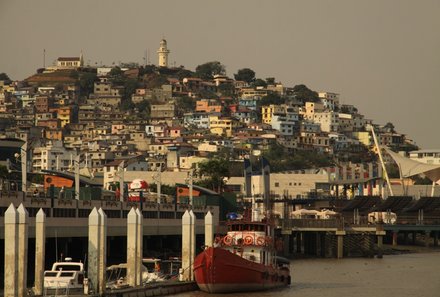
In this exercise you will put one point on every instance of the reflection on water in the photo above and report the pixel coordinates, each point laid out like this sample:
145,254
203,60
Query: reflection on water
398,275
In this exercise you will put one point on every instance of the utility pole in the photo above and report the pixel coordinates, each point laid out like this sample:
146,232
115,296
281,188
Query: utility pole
77,177
24,168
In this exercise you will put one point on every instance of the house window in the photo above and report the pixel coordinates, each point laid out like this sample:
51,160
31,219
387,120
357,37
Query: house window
277,185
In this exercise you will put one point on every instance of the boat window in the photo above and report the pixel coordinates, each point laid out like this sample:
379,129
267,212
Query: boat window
68,267
65,274
50,273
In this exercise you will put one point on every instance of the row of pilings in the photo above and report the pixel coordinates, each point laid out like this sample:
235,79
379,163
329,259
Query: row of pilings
16,249
335,244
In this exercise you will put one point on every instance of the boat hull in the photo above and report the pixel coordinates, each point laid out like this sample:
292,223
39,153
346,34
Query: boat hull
218,270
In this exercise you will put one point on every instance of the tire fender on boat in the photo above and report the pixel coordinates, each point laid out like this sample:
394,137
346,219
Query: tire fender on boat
260,240
227,240
248,240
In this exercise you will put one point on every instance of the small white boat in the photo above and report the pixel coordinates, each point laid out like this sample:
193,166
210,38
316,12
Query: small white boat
117,276
64,278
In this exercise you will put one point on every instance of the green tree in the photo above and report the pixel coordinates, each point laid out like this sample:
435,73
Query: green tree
130,65
209,69
143,106
130,86
226,90
127,104
214,171
389,127
282,159
86,83
245,74
185,104
4,76
303,94
182,73
270,80
259,83
271,98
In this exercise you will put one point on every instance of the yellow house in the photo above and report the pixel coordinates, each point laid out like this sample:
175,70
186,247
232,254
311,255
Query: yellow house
64,114
220,126
311,108
268,111
364,137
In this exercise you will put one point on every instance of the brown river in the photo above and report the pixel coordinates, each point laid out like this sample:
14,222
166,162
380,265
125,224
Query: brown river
412,275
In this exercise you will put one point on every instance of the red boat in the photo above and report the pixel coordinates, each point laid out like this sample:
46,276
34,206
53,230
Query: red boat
243,260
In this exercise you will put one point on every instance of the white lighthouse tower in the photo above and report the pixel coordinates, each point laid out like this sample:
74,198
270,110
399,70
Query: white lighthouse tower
163,52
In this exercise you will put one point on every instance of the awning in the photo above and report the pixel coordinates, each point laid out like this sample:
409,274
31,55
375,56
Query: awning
409,167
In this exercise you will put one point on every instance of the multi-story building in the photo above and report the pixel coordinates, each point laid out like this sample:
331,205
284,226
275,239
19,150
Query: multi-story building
162,112
253,93
329,100
310,108
426,156
199,119
328,120
220,125
286,123
208,105
43,103
53,156
346,123
268,111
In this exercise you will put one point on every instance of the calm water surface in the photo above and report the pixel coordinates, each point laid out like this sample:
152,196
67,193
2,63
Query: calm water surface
415,275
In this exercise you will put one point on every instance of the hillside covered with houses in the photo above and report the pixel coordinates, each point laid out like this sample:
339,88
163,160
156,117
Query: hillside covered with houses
174,119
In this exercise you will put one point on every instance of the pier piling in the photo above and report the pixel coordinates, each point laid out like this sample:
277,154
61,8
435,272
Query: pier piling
102,252
209,229
132,236
11,254
40,251
93,251
23,234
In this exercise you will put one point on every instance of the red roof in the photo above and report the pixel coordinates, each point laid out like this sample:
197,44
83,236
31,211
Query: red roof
69,59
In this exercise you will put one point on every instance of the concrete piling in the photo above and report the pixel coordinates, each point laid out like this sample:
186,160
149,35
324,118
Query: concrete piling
209,229
11,252
102,277
23,222
395,234
94,248
132,236
340,247
427,238
139,247
187,246
193,243
40,251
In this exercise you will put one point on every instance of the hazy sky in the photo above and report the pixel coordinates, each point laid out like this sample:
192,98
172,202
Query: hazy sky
382,56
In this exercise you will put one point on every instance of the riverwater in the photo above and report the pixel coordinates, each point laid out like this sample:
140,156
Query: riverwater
406,275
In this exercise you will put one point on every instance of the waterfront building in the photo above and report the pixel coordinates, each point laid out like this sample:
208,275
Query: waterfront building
426,156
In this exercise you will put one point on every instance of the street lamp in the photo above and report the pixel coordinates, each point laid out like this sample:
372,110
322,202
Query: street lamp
158,179
120,174
23,158
189,181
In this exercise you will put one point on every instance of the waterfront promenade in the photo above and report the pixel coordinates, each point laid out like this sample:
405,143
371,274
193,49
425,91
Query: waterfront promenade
68,218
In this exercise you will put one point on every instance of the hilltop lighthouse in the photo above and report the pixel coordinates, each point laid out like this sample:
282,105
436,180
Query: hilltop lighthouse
163,52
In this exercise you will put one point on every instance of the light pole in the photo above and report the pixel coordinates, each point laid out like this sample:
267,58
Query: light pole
77,177
158,179
121,180
23,159
189,181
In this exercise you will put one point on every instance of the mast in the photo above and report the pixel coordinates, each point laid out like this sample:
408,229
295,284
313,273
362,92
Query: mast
381,161
266,185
